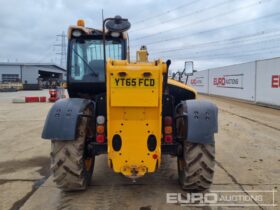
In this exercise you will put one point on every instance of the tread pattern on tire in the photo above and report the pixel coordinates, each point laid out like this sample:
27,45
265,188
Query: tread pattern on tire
67,164
196,167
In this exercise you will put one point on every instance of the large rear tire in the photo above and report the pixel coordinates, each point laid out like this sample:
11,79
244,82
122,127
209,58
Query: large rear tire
196,166
71,168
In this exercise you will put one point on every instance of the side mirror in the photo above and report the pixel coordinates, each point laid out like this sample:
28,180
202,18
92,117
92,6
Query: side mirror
189,68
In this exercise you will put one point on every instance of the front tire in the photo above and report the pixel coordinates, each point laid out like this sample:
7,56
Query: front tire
196,166
71,168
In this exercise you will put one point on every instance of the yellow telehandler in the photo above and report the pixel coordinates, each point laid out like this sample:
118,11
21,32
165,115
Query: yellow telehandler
130,111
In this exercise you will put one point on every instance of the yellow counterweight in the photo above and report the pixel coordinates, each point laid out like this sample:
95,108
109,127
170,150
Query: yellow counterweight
134,121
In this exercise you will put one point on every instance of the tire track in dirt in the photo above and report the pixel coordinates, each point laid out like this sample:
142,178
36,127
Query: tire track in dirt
17,165
237,183
250,119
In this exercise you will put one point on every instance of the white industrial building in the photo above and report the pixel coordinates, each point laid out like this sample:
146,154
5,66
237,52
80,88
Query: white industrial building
256,81
29,74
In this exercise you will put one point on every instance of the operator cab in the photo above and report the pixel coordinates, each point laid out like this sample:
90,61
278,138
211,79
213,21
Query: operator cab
85,63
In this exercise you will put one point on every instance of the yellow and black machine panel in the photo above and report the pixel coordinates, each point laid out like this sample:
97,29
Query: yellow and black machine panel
134,106
132,111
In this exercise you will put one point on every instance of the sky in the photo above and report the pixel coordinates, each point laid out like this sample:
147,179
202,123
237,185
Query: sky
209,33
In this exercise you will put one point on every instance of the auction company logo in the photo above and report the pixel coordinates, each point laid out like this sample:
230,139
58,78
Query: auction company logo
275,81
229,198
197,81
229,81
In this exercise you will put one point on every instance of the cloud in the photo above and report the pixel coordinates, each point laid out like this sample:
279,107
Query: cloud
29,28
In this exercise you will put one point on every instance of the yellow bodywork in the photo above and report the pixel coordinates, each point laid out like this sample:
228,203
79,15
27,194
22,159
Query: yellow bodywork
142,55
182,86
134,106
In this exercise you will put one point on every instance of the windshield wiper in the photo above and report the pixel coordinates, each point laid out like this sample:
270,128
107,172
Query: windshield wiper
76,53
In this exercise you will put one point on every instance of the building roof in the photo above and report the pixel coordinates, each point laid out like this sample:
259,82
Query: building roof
32,64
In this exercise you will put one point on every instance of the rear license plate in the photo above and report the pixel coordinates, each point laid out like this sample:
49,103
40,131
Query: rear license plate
134,82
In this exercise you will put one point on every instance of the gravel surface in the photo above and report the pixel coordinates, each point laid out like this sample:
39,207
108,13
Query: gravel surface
247,153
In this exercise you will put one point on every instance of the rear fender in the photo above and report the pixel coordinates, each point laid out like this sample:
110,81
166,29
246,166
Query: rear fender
201,121
62,119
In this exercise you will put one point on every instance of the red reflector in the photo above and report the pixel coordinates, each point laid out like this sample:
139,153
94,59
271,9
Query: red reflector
155,156
100,139
168,139
168,121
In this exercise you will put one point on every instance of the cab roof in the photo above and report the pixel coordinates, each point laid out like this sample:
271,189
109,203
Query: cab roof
91,31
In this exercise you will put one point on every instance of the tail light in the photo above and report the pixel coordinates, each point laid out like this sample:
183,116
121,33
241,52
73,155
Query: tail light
168,130
100,138
168,139
168,121
100,129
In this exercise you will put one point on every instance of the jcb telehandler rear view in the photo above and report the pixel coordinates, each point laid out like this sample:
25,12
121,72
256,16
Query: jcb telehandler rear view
131,111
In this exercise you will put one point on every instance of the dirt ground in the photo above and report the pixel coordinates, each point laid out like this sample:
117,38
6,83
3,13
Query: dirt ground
247,161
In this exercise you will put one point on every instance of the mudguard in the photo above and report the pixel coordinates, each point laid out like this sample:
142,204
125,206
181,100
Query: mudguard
63,117
202,121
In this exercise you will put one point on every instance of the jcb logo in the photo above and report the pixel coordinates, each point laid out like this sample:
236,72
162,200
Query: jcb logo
275,81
